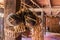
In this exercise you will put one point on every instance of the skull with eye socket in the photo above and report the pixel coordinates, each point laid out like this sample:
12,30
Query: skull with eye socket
26,17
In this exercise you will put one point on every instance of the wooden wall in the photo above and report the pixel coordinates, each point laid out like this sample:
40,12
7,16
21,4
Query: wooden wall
53,24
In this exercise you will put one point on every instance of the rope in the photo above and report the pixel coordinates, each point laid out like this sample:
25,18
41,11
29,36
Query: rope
35,3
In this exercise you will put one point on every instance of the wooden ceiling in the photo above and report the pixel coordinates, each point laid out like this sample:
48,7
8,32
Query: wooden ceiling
49,2
43,2
55,2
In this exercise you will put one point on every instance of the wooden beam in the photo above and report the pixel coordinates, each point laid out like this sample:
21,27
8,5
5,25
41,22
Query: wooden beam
48,11
43,9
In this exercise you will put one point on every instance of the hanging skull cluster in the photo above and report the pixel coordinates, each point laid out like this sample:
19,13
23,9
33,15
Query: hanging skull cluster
23,17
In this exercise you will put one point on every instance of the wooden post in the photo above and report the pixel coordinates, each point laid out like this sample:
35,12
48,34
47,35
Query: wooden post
10,7
37,31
